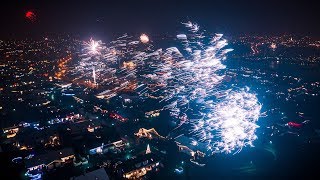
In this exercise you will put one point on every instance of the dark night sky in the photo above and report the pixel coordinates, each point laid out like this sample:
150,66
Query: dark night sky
156,16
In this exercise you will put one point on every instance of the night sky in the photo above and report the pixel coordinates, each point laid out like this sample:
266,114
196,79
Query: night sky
158,16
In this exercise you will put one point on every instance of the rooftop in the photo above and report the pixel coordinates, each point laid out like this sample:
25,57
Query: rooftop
138,162
48,157
191,143
99,174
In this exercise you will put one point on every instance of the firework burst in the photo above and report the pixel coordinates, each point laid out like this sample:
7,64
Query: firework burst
187,82
230,124
190,84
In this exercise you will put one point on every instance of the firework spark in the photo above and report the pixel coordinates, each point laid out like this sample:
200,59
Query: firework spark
31,16
144,38
187,82
93,47
230,124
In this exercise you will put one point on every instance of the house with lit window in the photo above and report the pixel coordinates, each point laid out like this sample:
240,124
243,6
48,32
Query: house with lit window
51,160
191,146
116,146
11,132
139,166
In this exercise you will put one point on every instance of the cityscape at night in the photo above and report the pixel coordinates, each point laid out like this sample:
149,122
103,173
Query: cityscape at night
159,90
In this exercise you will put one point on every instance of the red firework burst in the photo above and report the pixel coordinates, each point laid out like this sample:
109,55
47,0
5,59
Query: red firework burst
30,16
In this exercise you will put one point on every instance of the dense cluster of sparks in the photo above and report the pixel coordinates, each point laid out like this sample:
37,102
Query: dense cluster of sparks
93,47
189,83
230,123
144,38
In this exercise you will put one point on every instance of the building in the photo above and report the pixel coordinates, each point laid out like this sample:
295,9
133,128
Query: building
11,132
53,141
110,147
48,161
99,174
81,128
148,133
138,167
190,146
28,138
151,114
